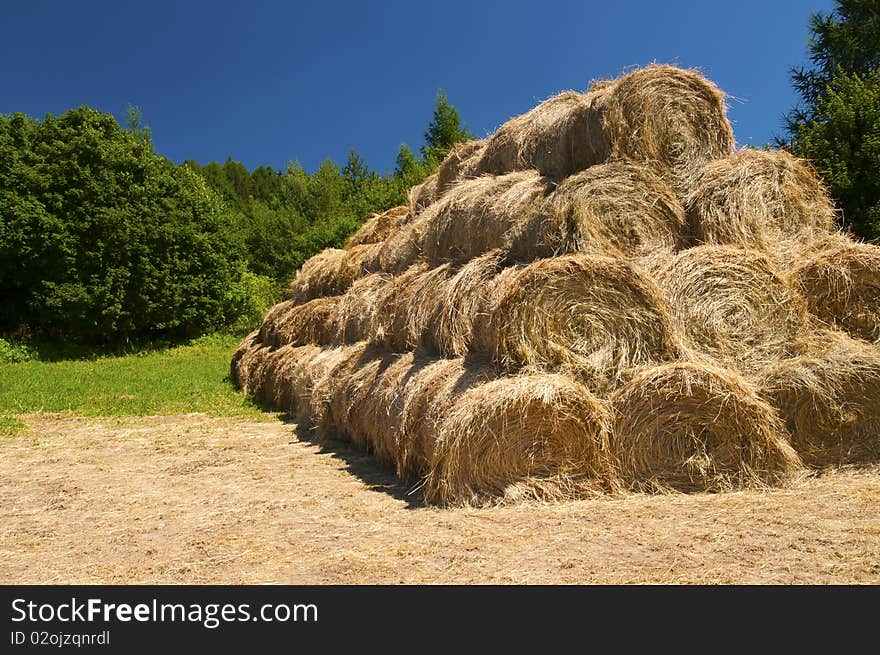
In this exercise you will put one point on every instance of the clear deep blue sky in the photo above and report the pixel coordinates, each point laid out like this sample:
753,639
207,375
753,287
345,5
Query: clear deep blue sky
273,82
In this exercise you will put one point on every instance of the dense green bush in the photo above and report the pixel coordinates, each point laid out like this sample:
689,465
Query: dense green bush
102,239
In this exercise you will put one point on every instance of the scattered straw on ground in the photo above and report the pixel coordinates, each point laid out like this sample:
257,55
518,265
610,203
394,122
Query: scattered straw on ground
189,499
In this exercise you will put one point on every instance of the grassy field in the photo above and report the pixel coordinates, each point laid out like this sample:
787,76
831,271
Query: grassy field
193,377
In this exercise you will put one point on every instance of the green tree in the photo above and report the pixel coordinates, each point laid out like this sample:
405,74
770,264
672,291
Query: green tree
843,140
100,238
845,41
838,122
444,130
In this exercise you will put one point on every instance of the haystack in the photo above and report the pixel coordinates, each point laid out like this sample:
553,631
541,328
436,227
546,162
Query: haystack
379,227
329,273
538,322
758,199
830,399
471,295
671,118
329,371
313,322
538,436
356,313
560,136
461,163
430,389
422,195
619,208
732,305
474,216
592,316
286,378
841,284
403,248
696,426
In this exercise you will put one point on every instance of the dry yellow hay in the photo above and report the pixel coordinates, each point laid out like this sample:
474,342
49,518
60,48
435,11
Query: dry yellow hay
329,273
475,215
841,285
313,322
424,304
353,397
732,305
461,163
403,248
560,136
592,316
529,436
379,227
696,426
428,391
329,371
272,320
467,306
285,376
618,208
830,399
392,309
758,199
669,117
382,417
238,368
422,195
356,313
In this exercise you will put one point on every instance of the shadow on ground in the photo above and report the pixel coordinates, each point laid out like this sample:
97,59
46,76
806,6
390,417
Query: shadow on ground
375,475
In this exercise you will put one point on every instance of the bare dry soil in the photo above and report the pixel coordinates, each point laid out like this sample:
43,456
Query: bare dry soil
193,499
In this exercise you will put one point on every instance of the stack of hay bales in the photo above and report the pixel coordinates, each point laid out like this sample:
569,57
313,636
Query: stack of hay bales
602,296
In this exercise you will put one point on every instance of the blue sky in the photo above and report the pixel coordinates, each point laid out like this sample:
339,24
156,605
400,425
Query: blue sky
273,82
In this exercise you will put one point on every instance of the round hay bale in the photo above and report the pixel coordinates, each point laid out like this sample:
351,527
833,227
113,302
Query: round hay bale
403,248
560,136
329,273
252,369
425,302
238,370
353,402
695,426
379,227
365,258
475,215
732,305
530,436
461,163
313,322
594,317
356,313
430,388
382,418
841,286
392,310
329,371
618,208
285,373
467,306
422,195
758,199
671,118
829,398
272,320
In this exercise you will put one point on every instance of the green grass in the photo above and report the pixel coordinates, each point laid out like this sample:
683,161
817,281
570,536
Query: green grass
181,379
11,425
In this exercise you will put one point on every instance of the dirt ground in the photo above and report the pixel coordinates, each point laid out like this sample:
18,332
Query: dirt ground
192,499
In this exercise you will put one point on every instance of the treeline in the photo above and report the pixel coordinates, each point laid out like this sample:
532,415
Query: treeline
102,239
837,124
